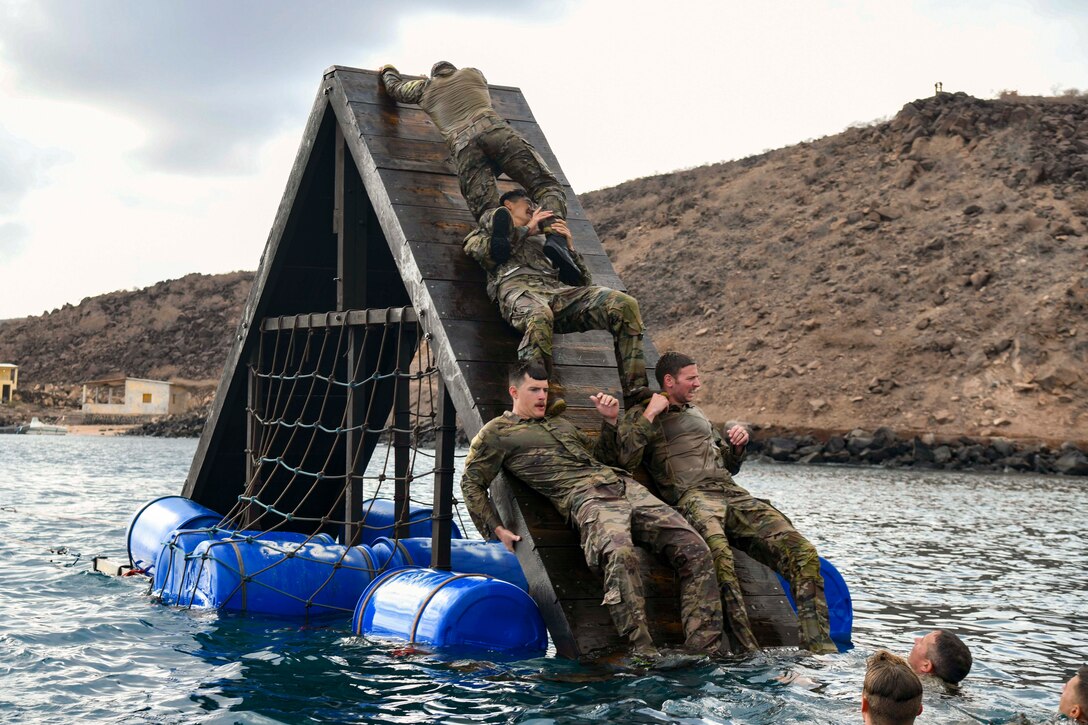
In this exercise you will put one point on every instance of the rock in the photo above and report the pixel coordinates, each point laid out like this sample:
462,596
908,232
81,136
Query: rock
922,324
817,404
908,173
702,331
942,417
1055,376
972,210
980,278
780,449
835,444
1072,463
942,455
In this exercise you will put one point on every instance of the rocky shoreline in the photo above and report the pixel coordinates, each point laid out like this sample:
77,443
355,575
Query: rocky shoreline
882,447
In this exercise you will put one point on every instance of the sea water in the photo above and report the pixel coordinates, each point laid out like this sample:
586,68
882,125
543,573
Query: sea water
1000,559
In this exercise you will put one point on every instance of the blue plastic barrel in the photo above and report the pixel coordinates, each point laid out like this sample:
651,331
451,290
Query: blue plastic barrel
444,609
151,525
268,576
379,521
840,608
467,556
170,563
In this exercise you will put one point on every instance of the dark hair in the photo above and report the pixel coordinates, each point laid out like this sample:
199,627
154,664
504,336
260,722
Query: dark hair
532,368
670,364
513,194
1080,692
893,690
950,656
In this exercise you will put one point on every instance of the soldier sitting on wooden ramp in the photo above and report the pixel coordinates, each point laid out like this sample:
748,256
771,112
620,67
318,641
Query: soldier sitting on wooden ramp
611,511
691,465
531,297
483,145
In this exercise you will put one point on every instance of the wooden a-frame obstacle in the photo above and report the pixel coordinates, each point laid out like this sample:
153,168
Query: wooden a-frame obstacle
369,232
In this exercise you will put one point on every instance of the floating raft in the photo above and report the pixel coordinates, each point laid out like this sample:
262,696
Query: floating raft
370,229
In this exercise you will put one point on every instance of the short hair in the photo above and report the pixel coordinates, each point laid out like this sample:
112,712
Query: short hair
512,195
531,368
893,690
1080,692
670,364
950,657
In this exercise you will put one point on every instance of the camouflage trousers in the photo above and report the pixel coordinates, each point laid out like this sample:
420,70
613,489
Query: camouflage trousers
733,517
538,312
609,528
500,149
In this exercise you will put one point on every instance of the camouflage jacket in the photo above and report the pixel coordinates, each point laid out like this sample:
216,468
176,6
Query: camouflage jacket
452,101
680,449
551,455
527,266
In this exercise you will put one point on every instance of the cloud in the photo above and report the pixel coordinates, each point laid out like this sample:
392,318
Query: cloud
13,238
22,168
209,80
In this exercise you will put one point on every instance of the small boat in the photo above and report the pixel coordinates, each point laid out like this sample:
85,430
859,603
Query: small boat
38,428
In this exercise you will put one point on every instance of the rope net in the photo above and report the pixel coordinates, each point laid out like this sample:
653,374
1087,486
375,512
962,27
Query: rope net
342,418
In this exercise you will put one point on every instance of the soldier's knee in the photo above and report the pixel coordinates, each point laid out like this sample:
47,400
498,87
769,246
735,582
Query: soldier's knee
623,312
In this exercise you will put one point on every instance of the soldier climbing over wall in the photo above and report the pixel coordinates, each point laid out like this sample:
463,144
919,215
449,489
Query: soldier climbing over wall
483,145
610,510
531,296
691,464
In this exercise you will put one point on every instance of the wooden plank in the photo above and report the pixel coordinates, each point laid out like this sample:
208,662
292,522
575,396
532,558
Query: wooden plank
415,149
449,262
364,86
440,191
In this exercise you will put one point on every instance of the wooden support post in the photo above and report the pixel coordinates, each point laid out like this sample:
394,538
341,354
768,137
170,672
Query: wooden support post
253,444
445,442
402,438
349,223
354,466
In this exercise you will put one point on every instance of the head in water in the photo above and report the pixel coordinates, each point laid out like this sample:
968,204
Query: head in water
942,654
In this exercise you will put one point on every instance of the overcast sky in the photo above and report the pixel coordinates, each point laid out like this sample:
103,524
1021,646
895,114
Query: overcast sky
144,140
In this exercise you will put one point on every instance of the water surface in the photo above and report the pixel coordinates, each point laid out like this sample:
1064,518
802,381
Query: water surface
1001,559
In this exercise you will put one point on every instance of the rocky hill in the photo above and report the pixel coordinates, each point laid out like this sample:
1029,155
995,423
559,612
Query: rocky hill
927,274
176,329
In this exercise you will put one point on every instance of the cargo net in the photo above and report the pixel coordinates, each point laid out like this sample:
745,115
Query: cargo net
342,417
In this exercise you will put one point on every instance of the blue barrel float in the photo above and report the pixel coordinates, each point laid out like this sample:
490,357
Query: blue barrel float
169,569
380,519
443,609
270,575
467,556
154,522
840,608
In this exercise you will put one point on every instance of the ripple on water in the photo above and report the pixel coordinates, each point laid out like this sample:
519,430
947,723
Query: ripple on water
993,557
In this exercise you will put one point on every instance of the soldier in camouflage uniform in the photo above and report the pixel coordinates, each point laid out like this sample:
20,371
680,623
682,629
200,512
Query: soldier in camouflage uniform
533,299
483,144
610,510
691,465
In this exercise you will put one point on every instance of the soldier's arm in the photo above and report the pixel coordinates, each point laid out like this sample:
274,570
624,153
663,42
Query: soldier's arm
732,456
478,246
482,465
401,90
634,438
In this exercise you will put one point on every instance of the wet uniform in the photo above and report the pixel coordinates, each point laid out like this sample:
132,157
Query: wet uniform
610,510
691,464
481,142
535,302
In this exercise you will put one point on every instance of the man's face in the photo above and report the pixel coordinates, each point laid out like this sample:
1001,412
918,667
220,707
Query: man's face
530,397
1068,702
682,388
521,209
919,658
